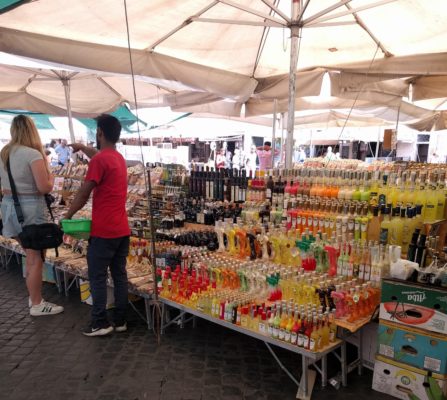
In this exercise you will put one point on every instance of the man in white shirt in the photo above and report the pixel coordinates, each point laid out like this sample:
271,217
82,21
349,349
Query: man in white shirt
63,152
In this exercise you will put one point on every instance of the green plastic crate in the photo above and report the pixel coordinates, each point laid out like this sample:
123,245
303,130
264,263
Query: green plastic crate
78,228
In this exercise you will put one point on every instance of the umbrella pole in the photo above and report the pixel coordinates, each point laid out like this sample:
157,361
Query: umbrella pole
275,108
294,38
66,84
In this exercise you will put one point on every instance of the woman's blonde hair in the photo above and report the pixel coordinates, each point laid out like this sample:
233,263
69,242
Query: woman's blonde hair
23,133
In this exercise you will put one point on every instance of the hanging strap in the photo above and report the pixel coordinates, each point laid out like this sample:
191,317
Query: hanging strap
14,195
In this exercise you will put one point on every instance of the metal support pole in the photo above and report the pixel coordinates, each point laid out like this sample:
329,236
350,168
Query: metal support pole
281,364
378,143
66,84
275,109
294,37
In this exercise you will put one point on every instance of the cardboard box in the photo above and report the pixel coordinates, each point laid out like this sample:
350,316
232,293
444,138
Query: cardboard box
407,383
411,346
48,272
86,296
414,305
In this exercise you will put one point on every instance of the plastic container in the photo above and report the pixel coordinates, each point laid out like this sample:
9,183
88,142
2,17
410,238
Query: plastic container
78,228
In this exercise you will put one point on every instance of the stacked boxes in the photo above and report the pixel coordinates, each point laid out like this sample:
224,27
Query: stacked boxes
412,342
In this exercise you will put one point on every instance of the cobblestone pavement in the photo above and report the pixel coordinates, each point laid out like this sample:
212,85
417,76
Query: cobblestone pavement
48,358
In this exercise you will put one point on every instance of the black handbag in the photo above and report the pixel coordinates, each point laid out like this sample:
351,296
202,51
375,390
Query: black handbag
36,236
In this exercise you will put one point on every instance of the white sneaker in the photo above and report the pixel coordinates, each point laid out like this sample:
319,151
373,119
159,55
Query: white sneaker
121,328
45,308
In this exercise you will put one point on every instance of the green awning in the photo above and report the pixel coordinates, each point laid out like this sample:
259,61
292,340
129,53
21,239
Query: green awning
42,121
124,115
8,5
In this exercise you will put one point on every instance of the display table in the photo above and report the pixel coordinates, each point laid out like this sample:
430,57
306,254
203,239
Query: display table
66,275
308,358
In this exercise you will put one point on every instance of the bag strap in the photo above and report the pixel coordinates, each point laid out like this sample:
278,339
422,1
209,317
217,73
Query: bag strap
14,194
48,202
15,197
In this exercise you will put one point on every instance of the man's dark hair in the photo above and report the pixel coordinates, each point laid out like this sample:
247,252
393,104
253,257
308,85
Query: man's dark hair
110,126
268,144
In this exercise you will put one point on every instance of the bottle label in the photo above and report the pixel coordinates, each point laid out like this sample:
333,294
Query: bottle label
315,222
261,328
270,330
311,343
306,342
300,340
332,336
298,220
356,225
332,224
321,223
327,223
281,334
362,271
350,225
294,220
287,337
364,226
338,224
382,199
293,338
269,193
275,332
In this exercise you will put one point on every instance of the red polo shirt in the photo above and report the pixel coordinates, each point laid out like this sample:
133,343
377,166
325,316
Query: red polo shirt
108,170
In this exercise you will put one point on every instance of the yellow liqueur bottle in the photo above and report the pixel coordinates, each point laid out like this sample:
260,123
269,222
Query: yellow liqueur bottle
431,203
441,197
396,228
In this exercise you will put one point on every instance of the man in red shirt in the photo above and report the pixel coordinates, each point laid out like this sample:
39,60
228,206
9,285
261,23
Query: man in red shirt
109,238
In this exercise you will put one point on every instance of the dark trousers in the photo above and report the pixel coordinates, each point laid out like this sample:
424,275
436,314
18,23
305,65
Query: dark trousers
101,255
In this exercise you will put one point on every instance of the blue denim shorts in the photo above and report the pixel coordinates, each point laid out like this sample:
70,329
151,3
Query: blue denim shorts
33,209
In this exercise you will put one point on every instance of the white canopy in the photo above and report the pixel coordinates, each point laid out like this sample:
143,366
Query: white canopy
215,55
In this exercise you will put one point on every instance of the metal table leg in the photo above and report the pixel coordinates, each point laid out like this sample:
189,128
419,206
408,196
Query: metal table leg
344,365
147,306
304,380
360,351
324,371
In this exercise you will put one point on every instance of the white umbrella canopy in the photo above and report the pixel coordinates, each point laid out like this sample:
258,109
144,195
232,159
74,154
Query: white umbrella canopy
224,48
227,34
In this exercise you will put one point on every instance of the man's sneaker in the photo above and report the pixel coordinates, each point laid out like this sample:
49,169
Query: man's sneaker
121,328
91,331
45,308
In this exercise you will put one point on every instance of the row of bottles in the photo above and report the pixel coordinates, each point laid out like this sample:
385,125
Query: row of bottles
218,286
403,189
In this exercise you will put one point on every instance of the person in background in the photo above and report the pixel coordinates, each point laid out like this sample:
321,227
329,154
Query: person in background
238,159
63,152
301,155
109,237
221,159
32,178
265,155
251,161
53,158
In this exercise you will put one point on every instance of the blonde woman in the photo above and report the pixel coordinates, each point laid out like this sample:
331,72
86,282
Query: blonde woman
32,177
